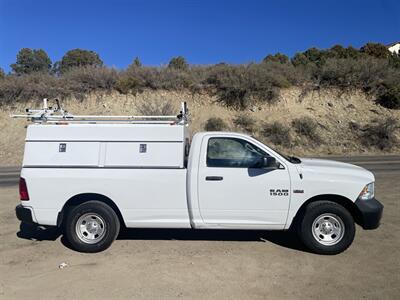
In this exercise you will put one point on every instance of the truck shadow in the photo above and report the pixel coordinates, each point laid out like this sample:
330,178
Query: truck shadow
285,239
38,233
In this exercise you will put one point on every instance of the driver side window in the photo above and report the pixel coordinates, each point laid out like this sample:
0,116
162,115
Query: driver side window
233,153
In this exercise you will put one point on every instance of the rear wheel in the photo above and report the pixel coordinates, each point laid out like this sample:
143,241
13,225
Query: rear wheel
91,226
326,227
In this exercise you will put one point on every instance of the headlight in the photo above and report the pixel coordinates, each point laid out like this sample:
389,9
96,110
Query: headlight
368,192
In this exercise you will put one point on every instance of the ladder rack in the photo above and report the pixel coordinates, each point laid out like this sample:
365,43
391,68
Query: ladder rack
58,115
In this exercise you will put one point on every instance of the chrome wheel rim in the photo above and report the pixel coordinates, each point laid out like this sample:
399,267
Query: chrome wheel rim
328,229
90,228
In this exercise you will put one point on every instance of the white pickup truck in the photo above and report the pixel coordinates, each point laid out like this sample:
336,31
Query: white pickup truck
90,175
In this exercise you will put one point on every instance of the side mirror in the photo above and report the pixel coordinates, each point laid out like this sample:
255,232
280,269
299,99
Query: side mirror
270,162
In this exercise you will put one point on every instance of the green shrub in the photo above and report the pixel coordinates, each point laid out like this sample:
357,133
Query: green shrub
234,97
394,60
307,127
29,87
367,73
178,63
316,55
77,82
82,80
31,60
215,124
78,58
157,78
136,62
390,98
299,59
167,78
380,133
239,86
245,122
376,50
339,51
278,57
128,84
277,133
319,57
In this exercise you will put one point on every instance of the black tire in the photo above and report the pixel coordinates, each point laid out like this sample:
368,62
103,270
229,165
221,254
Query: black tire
329,211
105,219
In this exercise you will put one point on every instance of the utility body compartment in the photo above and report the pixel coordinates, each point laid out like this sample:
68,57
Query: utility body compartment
106,145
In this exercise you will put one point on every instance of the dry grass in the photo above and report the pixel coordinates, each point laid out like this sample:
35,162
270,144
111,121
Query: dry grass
156,107
307,127
381,133
244,122
277,133
215,124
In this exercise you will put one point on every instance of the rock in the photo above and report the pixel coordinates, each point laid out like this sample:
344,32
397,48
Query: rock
63,265
350,106
353,125
322,125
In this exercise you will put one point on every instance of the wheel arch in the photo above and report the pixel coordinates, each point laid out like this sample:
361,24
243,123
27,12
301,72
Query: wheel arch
339,199
85,197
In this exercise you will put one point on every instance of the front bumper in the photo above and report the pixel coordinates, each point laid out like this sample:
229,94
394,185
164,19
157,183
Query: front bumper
24,214
370,213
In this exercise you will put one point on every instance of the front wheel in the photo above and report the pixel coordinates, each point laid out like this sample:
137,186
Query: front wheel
91,226
326,227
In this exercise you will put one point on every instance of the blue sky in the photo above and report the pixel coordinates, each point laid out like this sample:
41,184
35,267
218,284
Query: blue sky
203,31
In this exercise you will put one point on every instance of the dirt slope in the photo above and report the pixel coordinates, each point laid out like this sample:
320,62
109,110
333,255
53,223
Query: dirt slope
333,110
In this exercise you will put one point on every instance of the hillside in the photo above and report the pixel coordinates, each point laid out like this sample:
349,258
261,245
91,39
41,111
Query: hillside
340,121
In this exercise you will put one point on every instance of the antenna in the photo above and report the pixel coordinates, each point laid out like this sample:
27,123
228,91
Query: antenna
58,115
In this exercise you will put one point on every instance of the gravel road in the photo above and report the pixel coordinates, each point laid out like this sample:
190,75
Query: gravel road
154,264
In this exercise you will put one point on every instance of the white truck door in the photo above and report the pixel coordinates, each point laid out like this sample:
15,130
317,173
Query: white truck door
234,192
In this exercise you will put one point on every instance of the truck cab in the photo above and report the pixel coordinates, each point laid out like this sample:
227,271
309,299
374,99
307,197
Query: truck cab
90,177
236,181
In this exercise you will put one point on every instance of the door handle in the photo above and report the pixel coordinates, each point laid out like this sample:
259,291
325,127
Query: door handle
214,178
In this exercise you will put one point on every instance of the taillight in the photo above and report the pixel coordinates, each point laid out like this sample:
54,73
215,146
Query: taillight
23,190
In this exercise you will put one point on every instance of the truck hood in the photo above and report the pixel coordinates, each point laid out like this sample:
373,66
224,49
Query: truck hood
334,168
